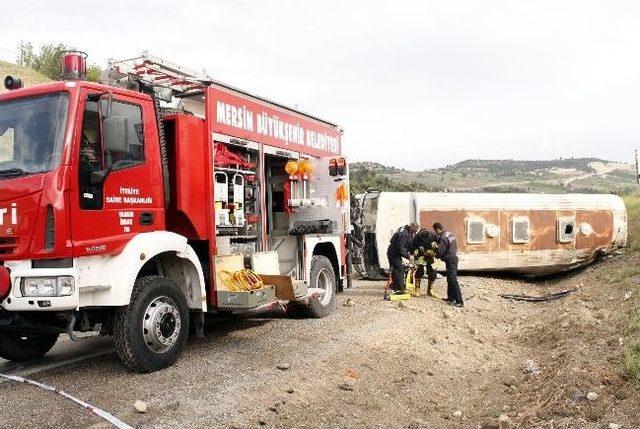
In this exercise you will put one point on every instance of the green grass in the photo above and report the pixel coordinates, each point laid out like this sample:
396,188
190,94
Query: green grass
631,356
29,76
631,359
617,275
633,220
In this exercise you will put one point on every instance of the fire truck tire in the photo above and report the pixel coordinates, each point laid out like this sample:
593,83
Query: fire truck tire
19,347
151,332
321,276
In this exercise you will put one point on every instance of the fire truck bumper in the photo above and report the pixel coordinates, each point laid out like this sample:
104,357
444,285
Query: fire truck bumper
40,289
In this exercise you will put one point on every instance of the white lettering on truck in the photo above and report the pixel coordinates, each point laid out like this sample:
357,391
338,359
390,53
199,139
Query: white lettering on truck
238,117
124,197
13,214
272,126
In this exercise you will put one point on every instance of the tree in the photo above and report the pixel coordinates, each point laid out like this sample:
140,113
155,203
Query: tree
47,60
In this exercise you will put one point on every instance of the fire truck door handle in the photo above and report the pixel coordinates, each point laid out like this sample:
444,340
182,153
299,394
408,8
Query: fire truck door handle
146,218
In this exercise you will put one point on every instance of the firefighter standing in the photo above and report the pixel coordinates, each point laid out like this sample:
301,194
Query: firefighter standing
446,249
424,257
398,249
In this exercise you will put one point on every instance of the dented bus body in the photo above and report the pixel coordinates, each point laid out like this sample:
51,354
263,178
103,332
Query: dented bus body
531,234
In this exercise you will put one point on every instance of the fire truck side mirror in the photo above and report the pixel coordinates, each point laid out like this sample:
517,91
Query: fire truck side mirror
114,139
96,97
114,134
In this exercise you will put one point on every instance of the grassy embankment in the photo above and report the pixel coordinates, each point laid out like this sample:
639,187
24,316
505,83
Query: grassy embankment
631,357
29,76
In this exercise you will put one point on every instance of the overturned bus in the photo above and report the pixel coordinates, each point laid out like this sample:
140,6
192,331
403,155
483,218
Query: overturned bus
532,234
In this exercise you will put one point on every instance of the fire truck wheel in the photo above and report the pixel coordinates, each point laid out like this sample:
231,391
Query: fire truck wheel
151,332
20,347
322,277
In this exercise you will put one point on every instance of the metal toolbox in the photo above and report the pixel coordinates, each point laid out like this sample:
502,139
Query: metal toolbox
246,299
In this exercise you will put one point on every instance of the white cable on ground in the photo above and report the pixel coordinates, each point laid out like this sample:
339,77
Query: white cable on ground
97,411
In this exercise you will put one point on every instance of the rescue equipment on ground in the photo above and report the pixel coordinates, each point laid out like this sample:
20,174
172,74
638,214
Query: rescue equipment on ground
400,297
549,297
390,296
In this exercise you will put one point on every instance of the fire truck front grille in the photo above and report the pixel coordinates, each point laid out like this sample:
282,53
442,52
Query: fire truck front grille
8,245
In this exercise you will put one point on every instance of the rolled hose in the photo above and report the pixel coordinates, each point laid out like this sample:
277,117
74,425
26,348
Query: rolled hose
243,280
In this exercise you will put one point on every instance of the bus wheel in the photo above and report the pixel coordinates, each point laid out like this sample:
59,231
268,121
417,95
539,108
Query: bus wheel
151,332
323,277
19,347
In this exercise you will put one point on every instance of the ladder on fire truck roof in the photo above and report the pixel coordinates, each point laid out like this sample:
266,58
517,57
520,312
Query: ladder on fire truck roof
183,81
158,72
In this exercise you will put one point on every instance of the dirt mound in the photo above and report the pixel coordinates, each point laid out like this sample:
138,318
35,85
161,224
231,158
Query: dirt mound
577,344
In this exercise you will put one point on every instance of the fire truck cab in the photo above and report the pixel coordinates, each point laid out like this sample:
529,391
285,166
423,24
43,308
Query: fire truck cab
125,215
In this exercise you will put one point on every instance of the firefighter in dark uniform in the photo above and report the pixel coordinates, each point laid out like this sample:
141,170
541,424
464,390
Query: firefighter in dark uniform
398,249
425,257
446,249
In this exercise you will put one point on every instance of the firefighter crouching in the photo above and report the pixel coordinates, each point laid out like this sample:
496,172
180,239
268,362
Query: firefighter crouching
446,249
424,258
399,248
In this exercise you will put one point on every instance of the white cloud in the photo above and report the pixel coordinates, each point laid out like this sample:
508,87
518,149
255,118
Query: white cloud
414,83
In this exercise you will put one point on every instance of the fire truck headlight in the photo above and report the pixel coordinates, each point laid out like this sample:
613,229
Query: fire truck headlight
65,286
47,286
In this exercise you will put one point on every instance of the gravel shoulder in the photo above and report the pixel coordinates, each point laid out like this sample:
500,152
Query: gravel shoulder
377,364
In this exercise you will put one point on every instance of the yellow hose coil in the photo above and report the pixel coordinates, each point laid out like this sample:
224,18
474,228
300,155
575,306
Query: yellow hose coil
243,280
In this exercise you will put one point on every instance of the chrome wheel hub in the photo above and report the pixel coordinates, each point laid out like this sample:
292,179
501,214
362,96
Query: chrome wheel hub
161,324
325,281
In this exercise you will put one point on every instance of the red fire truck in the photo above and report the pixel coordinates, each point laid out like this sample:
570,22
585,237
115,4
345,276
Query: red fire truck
136,207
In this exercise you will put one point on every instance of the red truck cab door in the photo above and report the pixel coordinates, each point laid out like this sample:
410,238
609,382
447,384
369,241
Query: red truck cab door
107,213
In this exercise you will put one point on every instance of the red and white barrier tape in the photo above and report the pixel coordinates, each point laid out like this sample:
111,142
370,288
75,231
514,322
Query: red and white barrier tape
97,411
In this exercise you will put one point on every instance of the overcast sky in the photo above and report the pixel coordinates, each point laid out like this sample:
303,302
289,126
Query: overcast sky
415,84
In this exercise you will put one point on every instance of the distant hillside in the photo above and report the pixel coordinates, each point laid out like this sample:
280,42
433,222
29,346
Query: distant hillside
585,175
29,76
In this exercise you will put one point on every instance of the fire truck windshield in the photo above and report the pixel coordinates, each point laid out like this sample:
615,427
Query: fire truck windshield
32,134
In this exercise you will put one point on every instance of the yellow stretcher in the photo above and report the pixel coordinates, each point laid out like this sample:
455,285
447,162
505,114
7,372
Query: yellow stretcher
409,281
